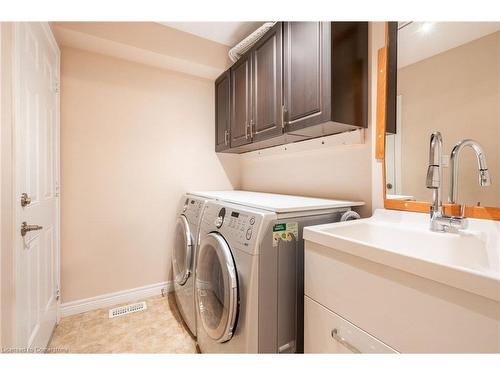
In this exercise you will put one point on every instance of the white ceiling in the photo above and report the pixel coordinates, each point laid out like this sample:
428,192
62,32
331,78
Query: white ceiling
420,40
228,33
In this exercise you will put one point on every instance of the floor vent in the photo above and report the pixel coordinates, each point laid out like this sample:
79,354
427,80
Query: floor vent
129,309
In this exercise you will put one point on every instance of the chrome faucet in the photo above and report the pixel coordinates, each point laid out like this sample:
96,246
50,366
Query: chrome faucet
439,222
484,175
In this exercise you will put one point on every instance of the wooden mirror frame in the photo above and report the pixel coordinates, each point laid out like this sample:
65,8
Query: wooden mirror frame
478,212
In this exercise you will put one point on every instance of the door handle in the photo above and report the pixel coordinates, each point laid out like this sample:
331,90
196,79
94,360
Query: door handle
25,200
25,228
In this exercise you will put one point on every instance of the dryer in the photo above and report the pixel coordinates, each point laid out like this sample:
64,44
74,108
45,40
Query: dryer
184,257
249,284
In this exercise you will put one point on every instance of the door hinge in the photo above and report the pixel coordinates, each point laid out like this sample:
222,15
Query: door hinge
57,87
58,294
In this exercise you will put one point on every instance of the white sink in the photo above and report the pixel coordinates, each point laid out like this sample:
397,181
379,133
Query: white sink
468,260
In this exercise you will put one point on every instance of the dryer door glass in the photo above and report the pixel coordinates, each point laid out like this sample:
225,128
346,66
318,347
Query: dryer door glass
183,250
216,288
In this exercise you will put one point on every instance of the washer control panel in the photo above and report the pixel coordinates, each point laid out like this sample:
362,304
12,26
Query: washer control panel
241,223
238,226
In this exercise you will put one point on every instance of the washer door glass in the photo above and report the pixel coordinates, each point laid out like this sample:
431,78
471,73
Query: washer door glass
216,288
183,251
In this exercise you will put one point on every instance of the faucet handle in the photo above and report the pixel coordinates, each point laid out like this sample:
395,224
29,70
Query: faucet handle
432,180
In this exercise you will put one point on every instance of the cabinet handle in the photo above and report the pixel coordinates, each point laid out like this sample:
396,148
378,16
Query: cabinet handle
252,123
283,122
226,134
337,337
246,130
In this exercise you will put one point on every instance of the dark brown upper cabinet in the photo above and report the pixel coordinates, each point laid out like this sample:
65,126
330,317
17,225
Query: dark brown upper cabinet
306,72
241,102
299,81
222,111
267,119
349,59
325,77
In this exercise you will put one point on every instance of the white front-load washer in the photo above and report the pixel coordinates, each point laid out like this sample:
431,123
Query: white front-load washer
249,281
226,280
184,257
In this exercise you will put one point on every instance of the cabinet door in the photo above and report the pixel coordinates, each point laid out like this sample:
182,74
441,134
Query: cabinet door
222,113
241,102
350,73
307,76
266,85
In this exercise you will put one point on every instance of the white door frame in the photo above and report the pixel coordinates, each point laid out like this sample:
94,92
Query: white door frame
16,95
1,251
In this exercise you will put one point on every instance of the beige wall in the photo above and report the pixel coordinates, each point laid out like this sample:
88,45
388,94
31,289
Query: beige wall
458,93
133,140
342,172
338,172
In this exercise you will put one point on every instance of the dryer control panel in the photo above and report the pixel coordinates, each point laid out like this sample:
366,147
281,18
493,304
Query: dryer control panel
192,208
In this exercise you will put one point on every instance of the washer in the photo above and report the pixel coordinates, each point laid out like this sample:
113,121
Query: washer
184,257
249,281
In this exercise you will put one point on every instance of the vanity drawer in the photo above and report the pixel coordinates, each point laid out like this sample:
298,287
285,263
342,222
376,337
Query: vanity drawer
327,332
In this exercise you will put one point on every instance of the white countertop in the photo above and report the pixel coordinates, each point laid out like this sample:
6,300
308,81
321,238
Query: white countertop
468,260
278,203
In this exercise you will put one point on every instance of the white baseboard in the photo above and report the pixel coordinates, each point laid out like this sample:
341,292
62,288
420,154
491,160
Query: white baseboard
116,298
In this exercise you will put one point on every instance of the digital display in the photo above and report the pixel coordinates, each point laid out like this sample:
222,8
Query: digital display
235,214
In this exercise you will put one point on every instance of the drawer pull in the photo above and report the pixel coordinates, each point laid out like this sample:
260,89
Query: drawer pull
337,337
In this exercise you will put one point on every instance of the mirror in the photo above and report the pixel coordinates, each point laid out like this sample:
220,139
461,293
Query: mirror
447,79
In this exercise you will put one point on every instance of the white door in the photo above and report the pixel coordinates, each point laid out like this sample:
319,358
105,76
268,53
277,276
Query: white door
36,101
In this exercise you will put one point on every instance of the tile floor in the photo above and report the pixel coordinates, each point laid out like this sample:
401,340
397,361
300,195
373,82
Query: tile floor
159,329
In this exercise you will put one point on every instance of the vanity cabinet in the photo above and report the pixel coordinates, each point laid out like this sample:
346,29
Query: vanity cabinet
222,111
377,308
299,81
